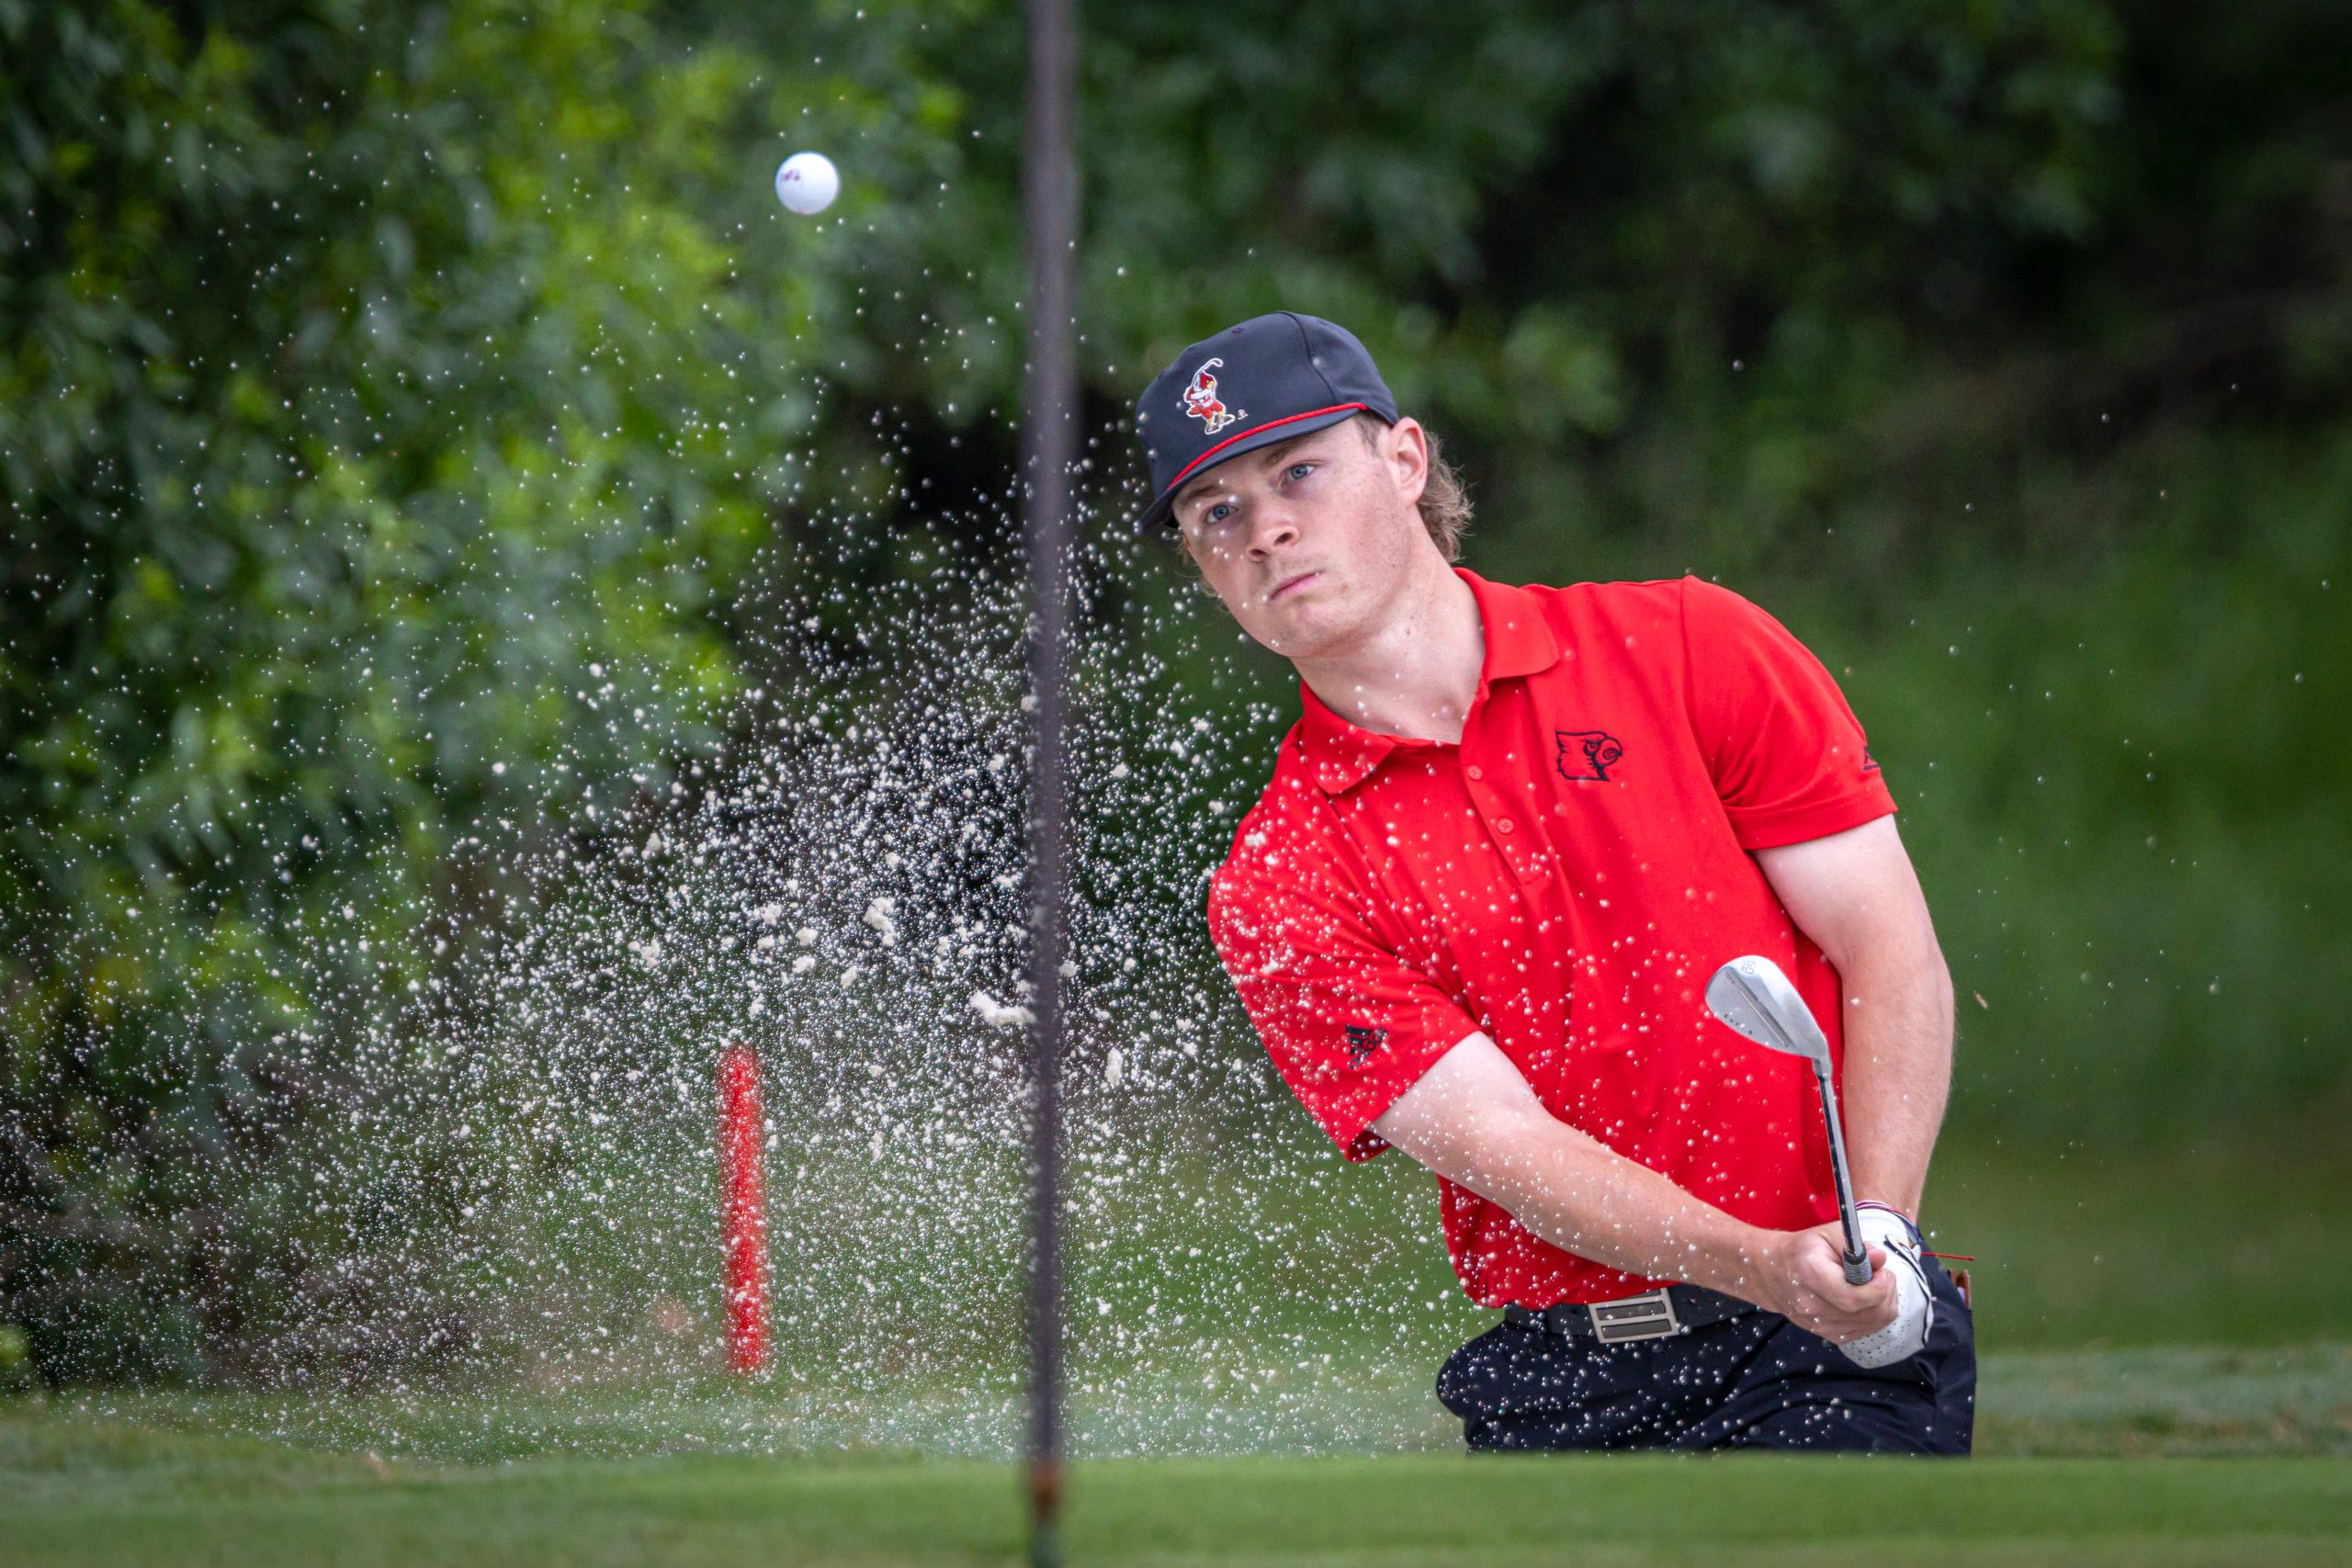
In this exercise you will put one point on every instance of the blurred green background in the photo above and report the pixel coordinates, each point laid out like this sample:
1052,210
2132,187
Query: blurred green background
400,403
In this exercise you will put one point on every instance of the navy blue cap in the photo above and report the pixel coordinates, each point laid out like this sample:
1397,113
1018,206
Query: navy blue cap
1269,379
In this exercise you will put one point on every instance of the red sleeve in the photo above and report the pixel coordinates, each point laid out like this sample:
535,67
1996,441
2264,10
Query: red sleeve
1350,1025
1786,751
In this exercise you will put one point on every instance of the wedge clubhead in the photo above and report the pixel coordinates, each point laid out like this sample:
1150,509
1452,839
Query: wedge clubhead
1752,995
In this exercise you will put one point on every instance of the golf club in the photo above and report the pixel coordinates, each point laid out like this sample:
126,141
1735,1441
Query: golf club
1752,995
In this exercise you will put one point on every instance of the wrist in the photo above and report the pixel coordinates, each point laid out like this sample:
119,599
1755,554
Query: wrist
1748,1261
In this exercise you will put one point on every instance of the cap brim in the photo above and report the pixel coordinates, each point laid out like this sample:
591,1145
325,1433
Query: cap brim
1286,429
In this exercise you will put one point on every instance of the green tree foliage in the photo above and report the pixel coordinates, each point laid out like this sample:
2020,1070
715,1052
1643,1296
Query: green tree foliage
396,399
386,415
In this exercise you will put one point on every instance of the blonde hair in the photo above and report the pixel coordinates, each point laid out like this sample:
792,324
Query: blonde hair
1444,504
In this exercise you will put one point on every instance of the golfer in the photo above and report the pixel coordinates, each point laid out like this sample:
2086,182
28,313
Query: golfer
1513,833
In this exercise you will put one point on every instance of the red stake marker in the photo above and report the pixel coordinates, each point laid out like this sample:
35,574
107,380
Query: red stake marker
742,1209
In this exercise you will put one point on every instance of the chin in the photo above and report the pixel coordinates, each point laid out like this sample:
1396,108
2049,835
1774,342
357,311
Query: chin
1302,631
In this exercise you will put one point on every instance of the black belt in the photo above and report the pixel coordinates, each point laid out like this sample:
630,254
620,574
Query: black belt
1652,1315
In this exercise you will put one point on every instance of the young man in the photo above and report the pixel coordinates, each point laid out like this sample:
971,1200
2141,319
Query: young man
1474,915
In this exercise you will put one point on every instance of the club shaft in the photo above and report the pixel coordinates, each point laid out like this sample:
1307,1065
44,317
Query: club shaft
1858,1267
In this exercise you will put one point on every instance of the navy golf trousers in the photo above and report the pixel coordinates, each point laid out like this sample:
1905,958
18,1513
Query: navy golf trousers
1753,1381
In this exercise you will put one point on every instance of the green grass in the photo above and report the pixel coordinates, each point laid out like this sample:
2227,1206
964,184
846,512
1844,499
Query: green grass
2164,1457
1322,1444
2179,1403
103,1493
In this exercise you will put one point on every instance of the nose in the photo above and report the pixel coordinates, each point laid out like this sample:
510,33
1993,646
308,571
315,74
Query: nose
1272,527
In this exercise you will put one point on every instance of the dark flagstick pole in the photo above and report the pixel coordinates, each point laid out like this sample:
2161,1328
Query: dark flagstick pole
1050,439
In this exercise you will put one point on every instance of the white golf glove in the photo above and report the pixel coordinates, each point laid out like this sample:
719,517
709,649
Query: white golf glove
1915,1309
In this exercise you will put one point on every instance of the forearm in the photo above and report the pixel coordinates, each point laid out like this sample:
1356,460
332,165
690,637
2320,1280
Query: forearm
1473,1120
1583,1198
1897,1070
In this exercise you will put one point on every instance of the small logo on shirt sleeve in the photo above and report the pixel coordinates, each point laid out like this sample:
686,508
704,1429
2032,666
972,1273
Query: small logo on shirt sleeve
1588,755
1362,1040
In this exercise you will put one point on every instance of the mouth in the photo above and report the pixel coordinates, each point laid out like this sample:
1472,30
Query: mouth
1290,584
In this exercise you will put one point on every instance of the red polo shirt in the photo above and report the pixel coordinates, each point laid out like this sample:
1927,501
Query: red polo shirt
1564,879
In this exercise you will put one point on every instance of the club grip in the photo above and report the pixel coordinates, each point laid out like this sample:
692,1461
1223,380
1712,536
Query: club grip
1858,1268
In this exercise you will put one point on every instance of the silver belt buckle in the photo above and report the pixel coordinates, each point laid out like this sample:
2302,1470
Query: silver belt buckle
1649,1315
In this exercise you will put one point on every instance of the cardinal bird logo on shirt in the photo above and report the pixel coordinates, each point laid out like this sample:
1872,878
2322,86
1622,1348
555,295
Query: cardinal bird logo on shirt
1202,403
1588,755
1362,1040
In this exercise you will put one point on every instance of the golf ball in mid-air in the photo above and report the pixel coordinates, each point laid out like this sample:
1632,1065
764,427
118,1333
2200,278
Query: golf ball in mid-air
808,182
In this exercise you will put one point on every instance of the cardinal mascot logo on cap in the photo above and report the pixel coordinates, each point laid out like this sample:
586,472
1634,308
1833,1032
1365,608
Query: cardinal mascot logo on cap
1201,400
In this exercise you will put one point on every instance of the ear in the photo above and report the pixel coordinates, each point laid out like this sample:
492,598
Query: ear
1404,447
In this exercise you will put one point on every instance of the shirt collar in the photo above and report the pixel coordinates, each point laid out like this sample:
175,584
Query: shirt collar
1520,642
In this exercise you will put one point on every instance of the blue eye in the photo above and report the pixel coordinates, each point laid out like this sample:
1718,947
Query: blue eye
1300,470
1216,512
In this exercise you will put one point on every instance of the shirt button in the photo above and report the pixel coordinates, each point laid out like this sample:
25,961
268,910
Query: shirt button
1504,826
1476,771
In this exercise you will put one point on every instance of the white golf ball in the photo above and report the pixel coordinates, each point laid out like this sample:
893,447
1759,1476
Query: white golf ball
808,182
